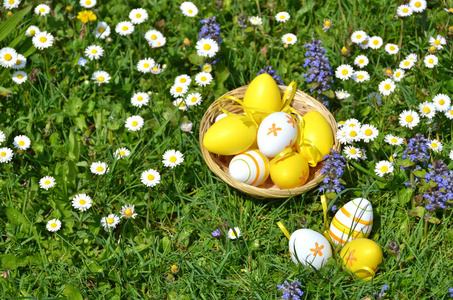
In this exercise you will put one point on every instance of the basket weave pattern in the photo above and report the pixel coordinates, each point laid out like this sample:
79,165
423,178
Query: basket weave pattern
218,164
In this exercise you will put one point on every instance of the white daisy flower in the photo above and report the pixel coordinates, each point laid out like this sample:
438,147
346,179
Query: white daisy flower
186,127
101,77
207,47
430,61
134,123
150,178
404,11
282,17
189,9
351,152
99,168
46,182
206,68
87,3
138,15
289,39
172,158
417,6
32,30
193,99
256,21
156,69
153,35
110,222
406,64
178,90
435,145
375,42
183,79
442,102
234,234
19,77
383,167
8,57
386,87
375,98
121,153
368,132
42,40
391,48
203,78
94,52
180,104
341,94
82,202
159,42
361,61
413,57
409,118
22,142
353,134
102,30
438,42
6,154
353,123
362,154
398,74
42,10
128,211
10,4
140,99
361,76
393,140
358,37
427,109
342,135
448,114
2,137
21,62
124,28
365,44
53,225
145,65
344,72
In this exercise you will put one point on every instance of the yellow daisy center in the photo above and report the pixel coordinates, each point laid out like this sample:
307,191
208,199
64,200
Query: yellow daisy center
134,123
3,154
387,86
101,29
42,10
182,80
110,220
140,98
433,145
353,133
190,11
327,23
437,42
441,102
341,122
194,99
418,4
21,143
150,177
450,10
409,119
351,125
155,69
11,1
122,153
359,36
32,32
376,42
361,61
368,132
289,39
426,110
352,151
154,37
20,76
43,39
18,62
406,63
53,225
393,140
344,72
173,159
94,51
146,65
431,60
128,212
392,48
88,2
100,169
405,10
138,16
360,76
125,28
207,47
364,42
82,202
179,89
398,74
100,79
8,57
207,69
47,182
203,78
282,17
384,169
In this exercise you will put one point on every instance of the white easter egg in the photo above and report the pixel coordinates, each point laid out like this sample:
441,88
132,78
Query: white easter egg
220,117
309,248
250,167
353,220
277,132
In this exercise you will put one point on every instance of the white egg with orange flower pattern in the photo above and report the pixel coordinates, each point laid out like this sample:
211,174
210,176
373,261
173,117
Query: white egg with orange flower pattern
310,248
277,132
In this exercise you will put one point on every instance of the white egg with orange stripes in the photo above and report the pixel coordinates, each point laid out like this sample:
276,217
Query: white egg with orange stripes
250,167
310,248
277,132
353,220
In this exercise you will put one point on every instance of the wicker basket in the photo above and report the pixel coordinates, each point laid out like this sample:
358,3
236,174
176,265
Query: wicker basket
218,164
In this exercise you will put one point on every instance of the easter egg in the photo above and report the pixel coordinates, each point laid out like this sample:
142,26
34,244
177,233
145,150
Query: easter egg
250,167
362,257
316,138
263,93
276,132
353,220
220,117
309,248
231,135
290,172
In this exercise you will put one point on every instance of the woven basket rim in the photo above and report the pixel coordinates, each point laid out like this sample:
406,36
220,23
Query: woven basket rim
260,192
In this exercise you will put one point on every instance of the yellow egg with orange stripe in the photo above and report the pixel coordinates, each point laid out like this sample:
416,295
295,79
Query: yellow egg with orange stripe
353,220
250,167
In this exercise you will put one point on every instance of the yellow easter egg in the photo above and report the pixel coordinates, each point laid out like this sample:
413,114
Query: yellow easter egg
316,138
290,172
263,93
230,136
362,257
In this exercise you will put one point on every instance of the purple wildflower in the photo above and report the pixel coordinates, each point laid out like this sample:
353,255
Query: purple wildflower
320,70
216,232
450,290
417,149
333,167
291,290
381,294
273,73
210,30
441,195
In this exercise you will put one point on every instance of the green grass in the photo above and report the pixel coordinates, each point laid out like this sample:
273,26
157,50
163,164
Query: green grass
73,123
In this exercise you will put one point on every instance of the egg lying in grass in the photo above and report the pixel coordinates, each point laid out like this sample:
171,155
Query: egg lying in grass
250,167
362,257
309,248
353,220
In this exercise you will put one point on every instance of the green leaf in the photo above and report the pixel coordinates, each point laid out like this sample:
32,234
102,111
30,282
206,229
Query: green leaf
405,195
365,111
330,94
73,106
9,261
12,22
2,89
195,59
16,218
72,293
420,173
249,29
73,153
405,163
94,267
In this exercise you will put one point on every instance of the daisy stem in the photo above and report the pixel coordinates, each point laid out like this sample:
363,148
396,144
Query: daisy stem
383,115
342,13
368,172
258,6
10,183
425,231
400,42
148,208
412,178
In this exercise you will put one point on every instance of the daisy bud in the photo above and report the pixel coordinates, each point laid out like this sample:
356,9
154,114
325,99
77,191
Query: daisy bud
186,42
344,51
69,8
